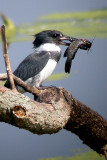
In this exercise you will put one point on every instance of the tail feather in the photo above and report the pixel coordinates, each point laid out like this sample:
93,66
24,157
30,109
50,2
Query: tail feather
7,84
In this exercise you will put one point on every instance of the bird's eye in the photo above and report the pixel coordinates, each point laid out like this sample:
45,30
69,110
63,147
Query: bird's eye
57,35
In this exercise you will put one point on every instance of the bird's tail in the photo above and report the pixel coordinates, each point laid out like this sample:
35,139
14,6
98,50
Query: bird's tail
7,84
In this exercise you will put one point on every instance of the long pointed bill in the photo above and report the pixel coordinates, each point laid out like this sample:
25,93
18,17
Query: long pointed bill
66,38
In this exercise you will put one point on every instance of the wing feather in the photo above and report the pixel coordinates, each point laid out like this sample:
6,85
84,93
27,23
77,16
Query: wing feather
31,66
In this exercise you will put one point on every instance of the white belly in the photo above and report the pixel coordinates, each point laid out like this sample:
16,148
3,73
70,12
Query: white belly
47,71
41,77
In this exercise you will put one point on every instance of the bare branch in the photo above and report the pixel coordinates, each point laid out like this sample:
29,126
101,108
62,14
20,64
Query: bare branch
21,83
39,118
3,76
57,109
6,58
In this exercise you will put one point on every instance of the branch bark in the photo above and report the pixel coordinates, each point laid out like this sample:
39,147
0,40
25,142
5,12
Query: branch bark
3,76
55,110
41,118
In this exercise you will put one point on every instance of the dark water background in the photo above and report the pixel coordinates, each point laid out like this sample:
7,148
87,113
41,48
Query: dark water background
87,83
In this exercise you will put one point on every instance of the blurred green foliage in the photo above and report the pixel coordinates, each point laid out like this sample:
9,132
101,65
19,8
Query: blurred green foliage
93,14
2,83
58,76
81,156
78,24
9,24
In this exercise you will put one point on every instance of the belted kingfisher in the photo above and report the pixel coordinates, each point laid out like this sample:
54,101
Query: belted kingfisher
38,66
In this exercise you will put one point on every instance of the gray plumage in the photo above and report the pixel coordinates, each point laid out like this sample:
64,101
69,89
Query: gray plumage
32,65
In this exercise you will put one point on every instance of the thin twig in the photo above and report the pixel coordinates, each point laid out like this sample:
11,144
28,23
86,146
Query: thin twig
6,57
30,89
3,77
21,83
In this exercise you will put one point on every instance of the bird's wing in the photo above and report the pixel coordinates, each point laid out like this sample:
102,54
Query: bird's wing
31,66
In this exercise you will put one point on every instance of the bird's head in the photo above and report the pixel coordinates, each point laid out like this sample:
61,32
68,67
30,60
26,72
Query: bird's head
49,36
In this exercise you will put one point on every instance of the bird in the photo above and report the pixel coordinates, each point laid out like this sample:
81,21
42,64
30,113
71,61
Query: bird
40,64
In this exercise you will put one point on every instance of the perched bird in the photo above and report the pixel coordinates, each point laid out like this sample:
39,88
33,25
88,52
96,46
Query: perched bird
38,66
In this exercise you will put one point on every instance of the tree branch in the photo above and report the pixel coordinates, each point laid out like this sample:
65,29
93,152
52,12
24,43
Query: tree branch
3,76
39,118
6,58
55,110
21,83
